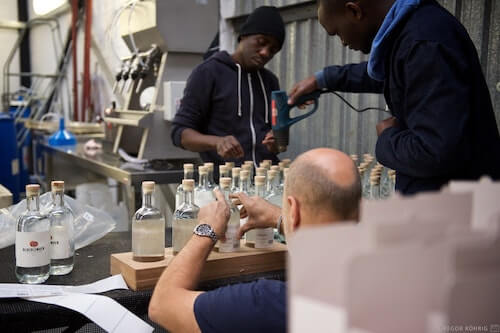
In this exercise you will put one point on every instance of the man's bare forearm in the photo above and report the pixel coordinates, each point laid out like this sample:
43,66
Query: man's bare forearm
195,141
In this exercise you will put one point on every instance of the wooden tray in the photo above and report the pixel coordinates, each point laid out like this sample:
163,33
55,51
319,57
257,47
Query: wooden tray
144,275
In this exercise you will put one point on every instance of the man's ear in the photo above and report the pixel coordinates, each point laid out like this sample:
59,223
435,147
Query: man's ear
294,213
353,11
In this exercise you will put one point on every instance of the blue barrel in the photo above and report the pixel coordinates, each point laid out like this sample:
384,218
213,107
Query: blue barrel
9,156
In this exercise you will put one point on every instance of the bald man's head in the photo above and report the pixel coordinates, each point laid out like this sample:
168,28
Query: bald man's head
326,180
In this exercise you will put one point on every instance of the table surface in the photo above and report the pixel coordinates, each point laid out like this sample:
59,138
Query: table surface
110,164
92,263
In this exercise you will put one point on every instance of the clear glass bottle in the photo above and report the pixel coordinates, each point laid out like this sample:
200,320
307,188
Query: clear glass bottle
231,243
210,177
274,194
148,228
185,218
188,174
249,168
263,237
203,194
235,181
261,172
244,188
62,232
32,241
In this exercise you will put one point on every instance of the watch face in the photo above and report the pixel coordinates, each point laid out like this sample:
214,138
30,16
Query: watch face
203,229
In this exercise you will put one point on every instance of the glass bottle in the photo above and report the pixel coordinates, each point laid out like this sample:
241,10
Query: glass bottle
210,175
274,194
263,237
249,168
235,182
148,228
62,232
185,217
231,243
203,194
262,172
32,241
244,188
188,174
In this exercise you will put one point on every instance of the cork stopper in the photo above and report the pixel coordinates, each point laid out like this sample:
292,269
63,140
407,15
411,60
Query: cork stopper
260,180
32,190
248,163
275,167
223,169
287,162
272,173
225,182
281,165
270,162
375,180
265,165
354,157
188,184
188,167
148,186
244,174
230,165
57,186
210,166
261,171
392,172
247,167
235,172
202,170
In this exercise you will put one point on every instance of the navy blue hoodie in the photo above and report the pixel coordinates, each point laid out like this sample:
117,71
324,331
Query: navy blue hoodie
222,99
435,88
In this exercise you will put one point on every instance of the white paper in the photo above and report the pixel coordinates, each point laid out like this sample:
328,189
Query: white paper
8,290
102,310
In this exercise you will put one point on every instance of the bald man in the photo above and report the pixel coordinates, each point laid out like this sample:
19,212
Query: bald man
322,187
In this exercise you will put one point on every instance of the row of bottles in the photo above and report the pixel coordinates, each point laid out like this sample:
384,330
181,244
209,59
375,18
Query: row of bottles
45,242
377,181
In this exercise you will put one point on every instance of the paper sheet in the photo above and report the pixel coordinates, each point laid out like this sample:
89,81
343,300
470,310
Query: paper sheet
102,310
26,290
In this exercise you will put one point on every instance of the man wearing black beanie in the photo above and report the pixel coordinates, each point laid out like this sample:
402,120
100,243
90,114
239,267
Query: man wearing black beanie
225,113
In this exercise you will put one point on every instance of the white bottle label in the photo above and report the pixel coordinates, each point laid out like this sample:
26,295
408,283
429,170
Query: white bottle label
231,243
32,249
59,242
264,238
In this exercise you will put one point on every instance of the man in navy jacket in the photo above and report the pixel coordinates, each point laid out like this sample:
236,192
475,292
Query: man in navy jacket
226,109
422,59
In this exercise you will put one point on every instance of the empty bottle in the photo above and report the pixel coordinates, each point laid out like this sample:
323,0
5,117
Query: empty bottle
231,242
32,241
148,228
188,174
62,233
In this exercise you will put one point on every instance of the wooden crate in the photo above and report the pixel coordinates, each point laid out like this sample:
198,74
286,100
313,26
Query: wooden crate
144,275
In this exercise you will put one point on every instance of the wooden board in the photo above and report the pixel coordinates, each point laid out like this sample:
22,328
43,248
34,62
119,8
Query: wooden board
144,275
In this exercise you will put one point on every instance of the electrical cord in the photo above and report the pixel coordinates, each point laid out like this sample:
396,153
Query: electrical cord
354,108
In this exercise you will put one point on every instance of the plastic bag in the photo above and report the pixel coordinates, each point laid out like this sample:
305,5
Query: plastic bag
90,223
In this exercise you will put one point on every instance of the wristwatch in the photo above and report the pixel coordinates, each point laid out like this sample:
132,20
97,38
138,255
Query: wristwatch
205,230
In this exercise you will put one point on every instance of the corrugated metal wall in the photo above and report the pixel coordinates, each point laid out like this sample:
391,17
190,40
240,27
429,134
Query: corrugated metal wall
308,48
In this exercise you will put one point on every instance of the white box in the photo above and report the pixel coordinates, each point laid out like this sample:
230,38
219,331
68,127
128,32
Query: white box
173,92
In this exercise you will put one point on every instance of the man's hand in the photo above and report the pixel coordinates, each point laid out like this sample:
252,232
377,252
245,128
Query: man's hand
216,214
270,142
228,147
260,213
301,88
386,123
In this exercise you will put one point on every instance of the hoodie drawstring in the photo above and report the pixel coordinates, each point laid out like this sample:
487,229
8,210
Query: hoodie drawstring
265,96
239,89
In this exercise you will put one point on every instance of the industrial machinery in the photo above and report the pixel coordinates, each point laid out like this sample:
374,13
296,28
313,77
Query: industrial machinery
151,29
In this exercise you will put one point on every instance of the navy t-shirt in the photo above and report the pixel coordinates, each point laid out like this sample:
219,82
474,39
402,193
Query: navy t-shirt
258,306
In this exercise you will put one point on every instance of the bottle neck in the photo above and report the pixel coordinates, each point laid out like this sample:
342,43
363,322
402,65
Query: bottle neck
260,190
189,198
33,203
147,200
188,174
58,198
210,177
235,183
244,186
203,180
226,191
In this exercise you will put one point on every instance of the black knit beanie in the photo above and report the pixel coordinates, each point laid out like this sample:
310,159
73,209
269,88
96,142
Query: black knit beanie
265,20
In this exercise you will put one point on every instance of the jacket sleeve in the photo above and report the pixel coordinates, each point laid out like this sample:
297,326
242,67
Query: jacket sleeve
348,78
436,111
195,104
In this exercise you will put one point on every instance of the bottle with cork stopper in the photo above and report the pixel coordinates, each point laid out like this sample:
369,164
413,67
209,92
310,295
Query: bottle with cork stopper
62,233
263,237
32,244
148,228
203,194
210,175
235,181
185,218
231,242
274,194
188,174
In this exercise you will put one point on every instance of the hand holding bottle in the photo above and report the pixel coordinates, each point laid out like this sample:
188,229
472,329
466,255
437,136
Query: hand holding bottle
216,214
261,213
